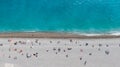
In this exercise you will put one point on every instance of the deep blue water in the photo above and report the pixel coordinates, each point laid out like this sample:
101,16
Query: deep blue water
88,16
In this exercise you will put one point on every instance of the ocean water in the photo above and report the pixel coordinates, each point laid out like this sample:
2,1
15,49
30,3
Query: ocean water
81,16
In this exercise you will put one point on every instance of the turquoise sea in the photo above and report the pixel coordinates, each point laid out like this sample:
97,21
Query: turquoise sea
81,16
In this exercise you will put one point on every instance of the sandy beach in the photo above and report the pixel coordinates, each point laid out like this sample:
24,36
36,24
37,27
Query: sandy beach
31,50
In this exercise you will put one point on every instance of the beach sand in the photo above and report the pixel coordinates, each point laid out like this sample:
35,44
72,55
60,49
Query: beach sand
46,50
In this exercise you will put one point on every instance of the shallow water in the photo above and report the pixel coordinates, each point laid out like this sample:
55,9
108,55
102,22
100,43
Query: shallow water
96,16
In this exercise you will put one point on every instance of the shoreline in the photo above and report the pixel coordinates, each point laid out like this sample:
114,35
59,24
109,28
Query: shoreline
53,35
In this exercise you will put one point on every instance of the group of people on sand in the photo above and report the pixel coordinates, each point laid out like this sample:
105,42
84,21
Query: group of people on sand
55,49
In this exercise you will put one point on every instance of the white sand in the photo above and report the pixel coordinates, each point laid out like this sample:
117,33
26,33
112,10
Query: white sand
91,55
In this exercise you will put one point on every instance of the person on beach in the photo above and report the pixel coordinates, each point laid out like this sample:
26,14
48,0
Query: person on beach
86,44
107,45
56,53
66,56
50,41
70,40
15,58
9,56
80,58
81,50
107,52
36,41
20,51
119,45
69,48
15,43
47,50
36,54
63,50
100,45
98,49
76,42
93,46
1,44
58,42
28,55
54,49
59,49
85,63
90,54
9,40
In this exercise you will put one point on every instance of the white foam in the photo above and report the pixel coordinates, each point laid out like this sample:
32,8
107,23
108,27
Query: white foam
116,33
92,34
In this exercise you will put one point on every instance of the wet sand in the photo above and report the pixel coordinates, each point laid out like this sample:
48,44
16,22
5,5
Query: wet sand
53,35
59,52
